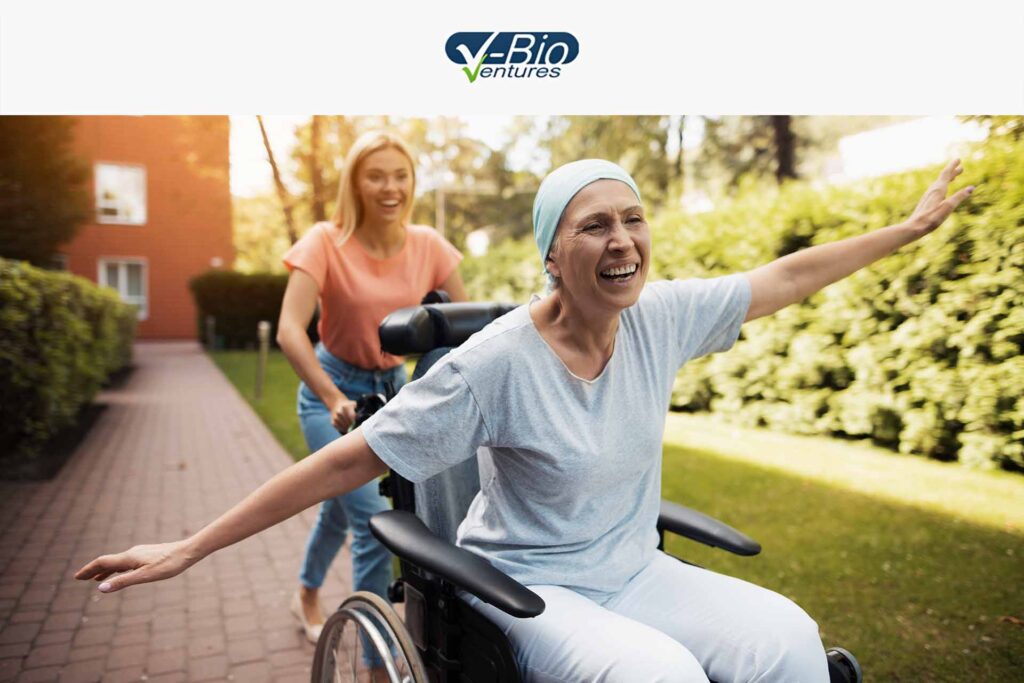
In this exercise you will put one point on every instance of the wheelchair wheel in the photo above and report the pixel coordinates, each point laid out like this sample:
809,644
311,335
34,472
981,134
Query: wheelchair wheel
365,624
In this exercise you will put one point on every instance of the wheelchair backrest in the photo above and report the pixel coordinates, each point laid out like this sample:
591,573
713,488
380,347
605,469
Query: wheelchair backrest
433,330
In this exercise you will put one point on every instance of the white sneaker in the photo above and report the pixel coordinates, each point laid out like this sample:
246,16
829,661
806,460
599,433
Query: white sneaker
312,631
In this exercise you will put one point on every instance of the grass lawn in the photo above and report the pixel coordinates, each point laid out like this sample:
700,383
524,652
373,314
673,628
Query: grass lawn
915,566
277,407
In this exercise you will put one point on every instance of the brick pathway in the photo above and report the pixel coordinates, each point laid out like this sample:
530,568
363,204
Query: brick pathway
175,447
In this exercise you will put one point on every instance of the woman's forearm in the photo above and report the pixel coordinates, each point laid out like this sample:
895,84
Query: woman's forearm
341,466
796,276
299,351
337,468
816,267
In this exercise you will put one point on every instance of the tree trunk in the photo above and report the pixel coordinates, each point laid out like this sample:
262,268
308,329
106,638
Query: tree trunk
680,158
282,191
785,148
315,172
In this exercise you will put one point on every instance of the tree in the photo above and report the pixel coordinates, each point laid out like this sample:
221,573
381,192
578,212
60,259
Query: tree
44,197
785,148
679,170
1009,127
315,170
739,147
282,192
473,181
637,143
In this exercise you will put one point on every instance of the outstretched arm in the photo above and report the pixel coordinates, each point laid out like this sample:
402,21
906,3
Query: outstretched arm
796,276
337,468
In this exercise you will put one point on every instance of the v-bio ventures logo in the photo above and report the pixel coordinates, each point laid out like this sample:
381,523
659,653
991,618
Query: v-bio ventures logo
512,54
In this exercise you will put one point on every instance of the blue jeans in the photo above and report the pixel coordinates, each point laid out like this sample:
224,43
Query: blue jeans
371,562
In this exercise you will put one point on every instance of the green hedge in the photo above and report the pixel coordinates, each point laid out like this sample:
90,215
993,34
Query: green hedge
921,352
62,337
238,302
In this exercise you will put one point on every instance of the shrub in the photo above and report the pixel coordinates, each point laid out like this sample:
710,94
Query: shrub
238,302
921,352
62,338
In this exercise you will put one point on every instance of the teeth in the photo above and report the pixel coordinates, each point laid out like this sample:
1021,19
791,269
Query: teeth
392,202
622,270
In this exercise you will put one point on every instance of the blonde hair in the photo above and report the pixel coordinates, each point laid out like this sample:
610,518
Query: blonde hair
348,210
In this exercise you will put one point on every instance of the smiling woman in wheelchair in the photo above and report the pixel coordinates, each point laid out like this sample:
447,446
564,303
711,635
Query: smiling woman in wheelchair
566,399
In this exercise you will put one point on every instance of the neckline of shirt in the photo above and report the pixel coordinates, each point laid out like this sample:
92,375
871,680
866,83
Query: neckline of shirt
362,250
589,382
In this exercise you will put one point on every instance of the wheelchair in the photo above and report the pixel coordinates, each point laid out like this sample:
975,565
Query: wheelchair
441,638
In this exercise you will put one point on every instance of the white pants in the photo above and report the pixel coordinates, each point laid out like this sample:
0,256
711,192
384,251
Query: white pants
671,622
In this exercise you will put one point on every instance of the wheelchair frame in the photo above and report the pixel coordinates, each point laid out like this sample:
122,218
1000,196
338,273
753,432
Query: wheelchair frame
454,642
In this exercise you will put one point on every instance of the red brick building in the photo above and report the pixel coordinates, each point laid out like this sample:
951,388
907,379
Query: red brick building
162,203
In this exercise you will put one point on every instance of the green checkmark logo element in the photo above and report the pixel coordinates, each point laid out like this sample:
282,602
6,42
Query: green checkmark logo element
471,75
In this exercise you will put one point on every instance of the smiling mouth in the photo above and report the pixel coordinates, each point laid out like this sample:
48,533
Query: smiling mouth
621,273
390,204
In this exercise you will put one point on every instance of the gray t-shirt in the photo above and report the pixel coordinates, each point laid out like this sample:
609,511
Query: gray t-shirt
570,469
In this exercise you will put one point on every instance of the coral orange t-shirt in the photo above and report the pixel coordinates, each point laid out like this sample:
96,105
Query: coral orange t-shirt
357,291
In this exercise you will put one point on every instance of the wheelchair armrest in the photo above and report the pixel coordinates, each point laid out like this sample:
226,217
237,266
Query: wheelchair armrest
704,529
404,534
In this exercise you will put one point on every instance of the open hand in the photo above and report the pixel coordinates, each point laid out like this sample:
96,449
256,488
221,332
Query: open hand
141,564
935,206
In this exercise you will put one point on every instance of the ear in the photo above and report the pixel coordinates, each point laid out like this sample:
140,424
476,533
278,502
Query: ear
552,266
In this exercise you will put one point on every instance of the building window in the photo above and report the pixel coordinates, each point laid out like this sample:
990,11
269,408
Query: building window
120,194
128,277
57,262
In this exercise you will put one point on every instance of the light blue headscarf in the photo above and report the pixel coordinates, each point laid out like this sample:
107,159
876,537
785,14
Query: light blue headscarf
558,189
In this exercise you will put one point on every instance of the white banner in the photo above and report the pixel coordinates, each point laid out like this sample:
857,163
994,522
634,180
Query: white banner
719,57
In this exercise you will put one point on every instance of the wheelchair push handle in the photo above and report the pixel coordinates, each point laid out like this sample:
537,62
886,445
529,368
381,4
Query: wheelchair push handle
366,405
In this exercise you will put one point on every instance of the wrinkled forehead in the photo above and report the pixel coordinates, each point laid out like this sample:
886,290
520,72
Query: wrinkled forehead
604,196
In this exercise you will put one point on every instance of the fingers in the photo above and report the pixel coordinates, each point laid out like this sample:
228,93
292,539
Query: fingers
340,420
105,566
122,581
934,218
958,197
102,568
951,171
343,415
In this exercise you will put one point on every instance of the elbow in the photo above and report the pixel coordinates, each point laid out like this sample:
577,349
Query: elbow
352,462
284,337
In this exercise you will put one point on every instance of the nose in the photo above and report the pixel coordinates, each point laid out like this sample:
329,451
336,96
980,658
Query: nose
619,238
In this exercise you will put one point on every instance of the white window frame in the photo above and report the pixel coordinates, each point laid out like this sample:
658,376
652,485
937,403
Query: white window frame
119,218
142,300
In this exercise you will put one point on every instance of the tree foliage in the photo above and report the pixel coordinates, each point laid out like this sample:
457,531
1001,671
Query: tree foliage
922,352
637,143
738,148
43,193
62,337
1010,127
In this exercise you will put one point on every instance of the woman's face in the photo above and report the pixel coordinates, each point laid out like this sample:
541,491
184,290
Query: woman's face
603,245
384,185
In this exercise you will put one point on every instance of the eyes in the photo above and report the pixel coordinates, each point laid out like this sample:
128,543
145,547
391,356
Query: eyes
400,177
595,226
